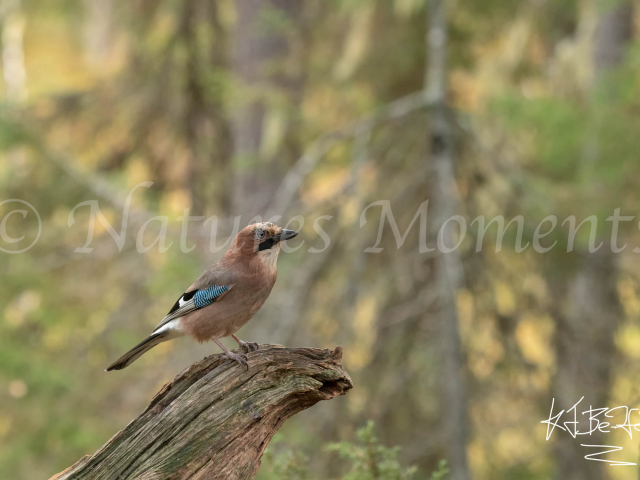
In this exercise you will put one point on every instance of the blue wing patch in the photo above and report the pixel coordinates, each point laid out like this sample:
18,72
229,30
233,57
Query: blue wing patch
194,300
202,298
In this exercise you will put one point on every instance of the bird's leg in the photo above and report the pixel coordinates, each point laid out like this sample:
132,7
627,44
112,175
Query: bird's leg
236,357
246,346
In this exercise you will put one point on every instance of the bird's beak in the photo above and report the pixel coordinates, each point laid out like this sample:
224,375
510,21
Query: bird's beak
286,235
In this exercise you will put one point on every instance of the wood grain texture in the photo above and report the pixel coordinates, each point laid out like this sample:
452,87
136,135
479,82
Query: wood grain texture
214,420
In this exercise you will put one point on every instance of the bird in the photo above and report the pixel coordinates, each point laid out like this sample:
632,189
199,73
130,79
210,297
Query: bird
225,297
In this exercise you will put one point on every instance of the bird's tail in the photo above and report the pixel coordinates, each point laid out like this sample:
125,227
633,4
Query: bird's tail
137,351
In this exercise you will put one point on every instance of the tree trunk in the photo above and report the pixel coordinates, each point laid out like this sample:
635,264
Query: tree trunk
589,309
589,313
270,86
13,67
98,31
206,128
214,420
613,33
449,274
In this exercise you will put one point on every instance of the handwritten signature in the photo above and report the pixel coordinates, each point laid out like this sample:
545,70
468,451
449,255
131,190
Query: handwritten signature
599,420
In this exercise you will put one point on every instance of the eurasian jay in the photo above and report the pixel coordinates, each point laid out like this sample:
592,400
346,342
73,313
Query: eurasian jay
225,297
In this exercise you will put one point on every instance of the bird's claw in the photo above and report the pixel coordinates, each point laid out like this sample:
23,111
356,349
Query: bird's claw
249,346
240,358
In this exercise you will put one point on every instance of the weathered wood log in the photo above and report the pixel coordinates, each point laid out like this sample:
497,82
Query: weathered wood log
214,420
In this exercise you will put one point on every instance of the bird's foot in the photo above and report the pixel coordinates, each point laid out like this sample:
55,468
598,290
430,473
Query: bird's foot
240,358
248,346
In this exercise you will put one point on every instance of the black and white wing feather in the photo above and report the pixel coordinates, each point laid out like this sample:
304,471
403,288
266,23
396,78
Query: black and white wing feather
193,300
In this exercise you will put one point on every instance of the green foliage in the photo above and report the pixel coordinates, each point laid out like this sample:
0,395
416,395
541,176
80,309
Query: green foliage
442,473
556,156
578,148
366,459
369,459
285,466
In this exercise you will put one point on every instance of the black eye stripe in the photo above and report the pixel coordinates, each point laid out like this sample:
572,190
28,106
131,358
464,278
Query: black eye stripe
266,245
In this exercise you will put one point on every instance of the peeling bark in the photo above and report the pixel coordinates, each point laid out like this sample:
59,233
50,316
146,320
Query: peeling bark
215,419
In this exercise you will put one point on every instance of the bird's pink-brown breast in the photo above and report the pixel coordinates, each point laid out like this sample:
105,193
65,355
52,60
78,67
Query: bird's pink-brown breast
251,271
221,319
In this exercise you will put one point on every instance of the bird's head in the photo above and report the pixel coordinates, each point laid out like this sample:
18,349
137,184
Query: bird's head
262,241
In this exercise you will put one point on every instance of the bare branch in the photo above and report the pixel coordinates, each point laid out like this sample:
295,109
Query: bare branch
312,156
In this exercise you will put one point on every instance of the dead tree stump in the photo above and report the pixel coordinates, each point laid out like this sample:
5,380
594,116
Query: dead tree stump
214,420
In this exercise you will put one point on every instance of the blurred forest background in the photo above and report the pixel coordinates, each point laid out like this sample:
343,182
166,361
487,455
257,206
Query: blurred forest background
313,108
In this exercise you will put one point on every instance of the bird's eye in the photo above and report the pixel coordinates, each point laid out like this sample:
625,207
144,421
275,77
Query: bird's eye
260,234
